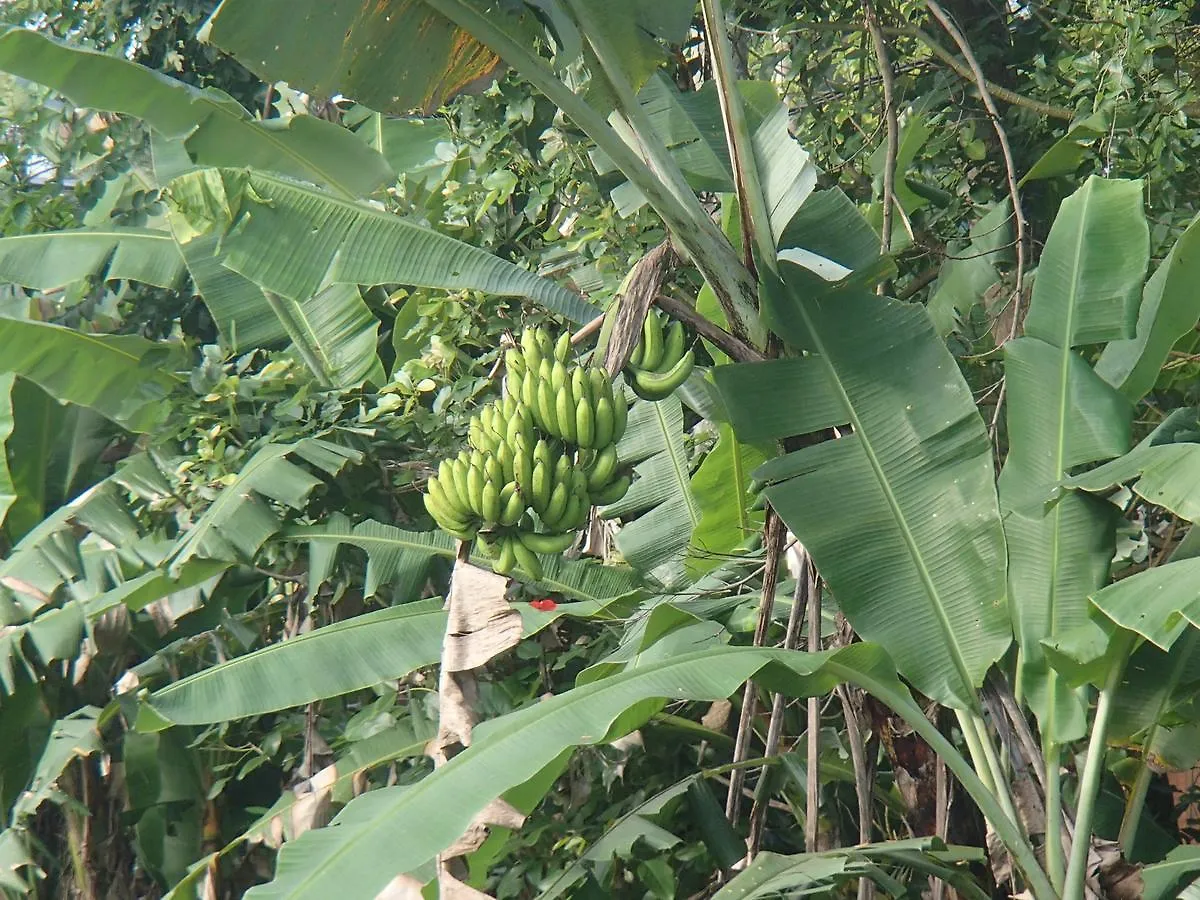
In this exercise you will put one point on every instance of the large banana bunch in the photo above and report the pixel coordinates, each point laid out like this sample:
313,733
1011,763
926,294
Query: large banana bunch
662,360
539,459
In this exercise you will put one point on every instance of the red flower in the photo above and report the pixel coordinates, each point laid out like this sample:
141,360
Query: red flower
545,604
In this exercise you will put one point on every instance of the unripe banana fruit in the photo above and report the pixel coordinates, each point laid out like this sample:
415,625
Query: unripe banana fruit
543,454
662,361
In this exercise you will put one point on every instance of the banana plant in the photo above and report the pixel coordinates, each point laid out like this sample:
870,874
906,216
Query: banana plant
867,442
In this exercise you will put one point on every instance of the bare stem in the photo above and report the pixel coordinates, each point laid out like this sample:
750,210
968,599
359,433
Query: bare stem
774,534
812,794
791,639
735,348
887,81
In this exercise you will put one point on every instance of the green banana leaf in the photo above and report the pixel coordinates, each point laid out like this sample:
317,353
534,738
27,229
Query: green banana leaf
71,737
774,874
661,494
1158,604
295,240
1170,308
216,130
404,740
1164,468
1149,707
404,558
407,826
125,378
900,515
328,662
332,331
57,258
721,488
239,521
618,840
1062,415
8,490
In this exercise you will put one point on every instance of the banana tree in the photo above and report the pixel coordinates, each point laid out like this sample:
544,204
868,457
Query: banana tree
876,458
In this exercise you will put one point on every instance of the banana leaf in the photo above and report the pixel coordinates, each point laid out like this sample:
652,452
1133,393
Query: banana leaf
1062,415
900,511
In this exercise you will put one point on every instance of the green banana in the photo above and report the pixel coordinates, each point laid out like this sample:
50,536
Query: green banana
506,559
613,492
475,479
531,350
526,559
512,504
546,543
564,413
652,338
673,345
557,505
620,414
545,342
602,469
514,362
437,492
562,349
657,385
528,391
523,467
504,456
458,477
546,409
559,376
490,505
605,418
540,487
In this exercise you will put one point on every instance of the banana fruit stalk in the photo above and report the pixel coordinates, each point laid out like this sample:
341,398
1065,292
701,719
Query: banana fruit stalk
662,361
540,457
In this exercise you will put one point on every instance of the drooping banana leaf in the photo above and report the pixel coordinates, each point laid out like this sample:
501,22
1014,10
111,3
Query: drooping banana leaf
721,488
332,331
1164,469
239,520
57,258
125,378
900,511
216,130
1062,415
661,494
294,240
1169,310
512,749
337,659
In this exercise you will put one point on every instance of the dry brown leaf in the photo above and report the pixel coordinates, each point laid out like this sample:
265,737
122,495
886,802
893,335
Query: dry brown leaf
498,813
482,623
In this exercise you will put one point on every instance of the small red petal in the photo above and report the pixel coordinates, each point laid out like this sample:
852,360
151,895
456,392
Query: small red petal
545,604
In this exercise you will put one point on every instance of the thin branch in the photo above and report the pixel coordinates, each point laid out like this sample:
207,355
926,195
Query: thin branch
775,534
998,91
862,780
735,348
1010,169
893,129
812,794
804,585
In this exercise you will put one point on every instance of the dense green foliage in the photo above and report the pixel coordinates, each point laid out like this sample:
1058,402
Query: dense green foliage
249,299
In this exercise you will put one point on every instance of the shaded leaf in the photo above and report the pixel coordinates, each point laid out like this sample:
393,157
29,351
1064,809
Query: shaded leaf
57,258
394,56
122,376
215,128
661,492
239,520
